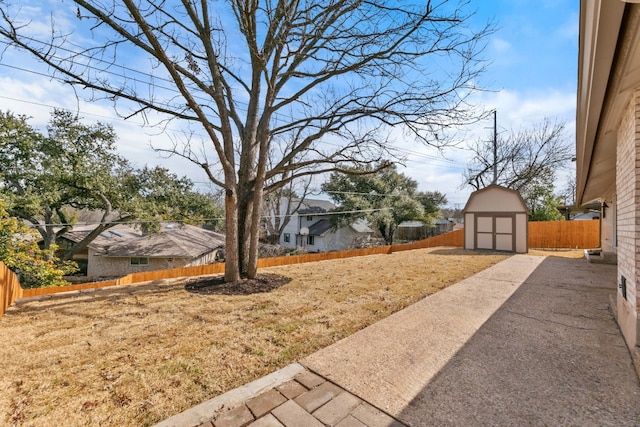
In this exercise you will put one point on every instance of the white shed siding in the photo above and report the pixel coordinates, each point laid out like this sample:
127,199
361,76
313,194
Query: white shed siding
522,242
469,231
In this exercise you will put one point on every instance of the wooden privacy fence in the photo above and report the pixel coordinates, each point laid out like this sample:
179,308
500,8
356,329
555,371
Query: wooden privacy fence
553,234
564,234
10,289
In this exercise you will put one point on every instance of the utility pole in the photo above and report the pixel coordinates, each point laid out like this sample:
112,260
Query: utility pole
495,146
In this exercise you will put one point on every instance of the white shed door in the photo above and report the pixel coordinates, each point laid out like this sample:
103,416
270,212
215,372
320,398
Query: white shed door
495,232
484,232
504,233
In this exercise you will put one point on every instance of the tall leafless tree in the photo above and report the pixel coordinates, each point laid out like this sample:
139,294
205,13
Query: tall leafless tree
323,80
522,158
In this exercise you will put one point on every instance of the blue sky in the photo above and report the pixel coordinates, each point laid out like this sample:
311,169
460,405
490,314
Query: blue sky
531,74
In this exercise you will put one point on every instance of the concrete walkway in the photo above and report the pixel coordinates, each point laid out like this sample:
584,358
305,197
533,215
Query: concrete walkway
529,341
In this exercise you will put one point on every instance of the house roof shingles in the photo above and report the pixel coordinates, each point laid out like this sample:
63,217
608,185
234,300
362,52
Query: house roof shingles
184,241
311,206
116,234
324,225
320,227
173,241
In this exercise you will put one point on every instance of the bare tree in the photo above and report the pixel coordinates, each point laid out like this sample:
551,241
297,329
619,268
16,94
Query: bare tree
523,157
324,81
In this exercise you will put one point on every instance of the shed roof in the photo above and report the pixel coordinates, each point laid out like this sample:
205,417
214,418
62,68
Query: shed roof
495,198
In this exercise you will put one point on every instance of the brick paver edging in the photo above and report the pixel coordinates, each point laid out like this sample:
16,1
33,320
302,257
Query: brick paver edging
290,397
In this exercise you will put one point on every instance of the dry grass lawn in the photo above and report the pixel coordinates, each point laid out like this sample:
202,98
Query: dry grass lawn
135,355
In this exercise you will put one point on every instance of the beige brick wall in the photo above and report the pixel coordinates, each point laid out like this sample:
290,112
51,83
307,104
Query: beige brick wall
607,225
628,198
100,266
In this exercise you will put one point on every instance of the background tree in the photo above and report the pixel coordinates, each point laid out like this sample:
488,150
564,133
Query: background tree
384,197
568,193
432,202
540,199
19,251
75,166
527,161
322,82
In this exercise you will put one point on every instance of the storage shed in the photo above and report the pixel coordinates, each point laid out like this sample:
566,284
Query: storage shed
495,218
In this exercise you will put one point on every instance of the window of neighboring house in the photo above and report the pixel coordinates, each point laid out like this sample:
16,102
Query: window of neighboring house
139,261
310,240
309,218
287,237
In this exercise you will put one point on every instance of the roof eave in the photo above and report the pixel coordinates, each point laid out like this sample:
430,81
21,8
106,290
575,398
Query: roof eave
600,23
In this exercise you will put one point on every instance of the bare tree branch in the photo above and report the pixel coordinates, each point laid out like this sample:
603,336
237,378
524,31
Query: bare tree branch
522,157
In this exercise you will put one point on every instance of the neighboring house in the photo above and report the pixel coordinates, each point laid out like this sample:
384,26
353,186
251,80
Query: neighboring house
444,225
118,233
310,228
123,250
587,211
608,142
586,216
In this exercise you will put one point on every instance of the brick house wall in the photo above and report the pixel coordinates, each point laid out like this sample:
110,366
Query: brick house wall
101,266
628,216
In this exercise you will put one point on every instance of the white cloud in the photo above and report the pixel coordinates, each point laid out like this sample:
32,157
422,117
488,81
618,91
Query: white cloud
36,98
432,169
499,45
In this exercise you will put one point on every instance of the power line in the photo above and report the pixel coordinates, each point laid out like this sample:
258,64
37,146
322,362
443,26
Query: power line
447,162
444,162
205,220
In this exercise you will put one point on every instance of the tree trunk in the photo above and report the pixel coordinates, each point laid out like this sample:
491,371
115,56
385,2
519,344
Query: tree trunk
245,210
231,264
387,234
254,233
